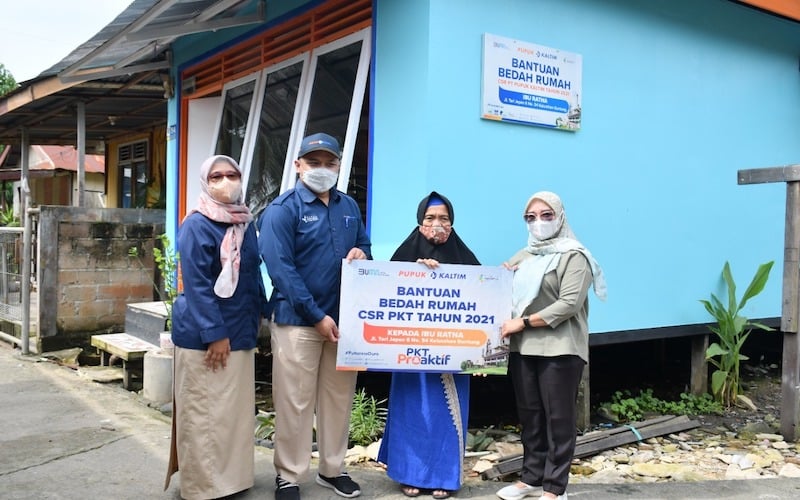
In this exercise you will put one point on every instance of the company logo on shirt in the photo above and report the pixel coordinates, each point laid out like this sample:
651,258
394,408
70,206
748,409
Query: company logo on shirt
309,218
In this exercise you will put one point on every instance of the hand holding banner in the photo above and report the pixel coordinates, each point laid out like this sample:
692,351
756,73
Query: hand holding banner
403,316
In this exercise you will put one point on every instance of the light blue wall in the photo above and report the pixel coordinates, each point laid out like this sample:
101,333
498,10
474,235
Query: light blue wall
678,95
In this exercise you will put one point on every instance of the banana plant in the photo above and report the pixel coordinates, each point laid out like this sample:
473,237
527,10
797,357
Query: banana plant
732,329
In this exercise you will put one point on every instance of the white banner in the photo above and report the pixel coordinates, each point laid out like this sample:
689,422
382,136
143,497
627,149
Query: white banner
403,316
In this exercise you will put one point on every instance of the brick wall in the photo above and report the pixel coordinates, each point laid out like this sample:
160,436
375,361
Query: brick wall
86,273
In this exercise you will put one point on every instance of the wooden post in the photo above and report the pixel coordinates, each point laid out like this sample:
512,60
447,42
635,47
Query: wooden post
584,417
790,303
698,378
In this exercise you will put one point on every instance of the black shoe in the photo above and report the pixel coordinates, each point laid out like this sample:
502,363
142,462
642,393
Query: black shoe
341,484
284,490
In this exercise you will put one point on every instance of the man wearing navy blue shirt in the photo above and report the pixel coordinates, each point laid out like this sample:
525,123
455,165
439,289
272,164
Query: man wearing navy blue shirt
305,233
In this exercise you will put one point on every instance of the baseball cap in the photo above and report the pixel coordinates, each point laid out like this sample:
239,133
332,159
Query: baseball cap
319,142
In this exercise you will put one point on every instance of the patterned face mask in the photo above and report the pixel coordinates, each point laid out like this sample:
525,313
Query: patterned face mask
436,234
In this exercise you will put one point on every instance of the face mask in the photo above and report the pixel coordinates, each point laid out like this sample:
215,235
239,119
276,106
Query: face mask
544,229
436,234
320,180
226,190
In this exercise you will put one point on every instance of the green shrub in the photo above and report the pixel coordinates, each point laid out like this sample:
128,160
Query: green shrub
367,420
626,408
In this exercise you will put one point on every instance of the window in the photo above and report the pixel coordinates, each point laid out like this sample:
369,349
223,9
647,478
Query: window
274,126
133,162
237,103
264,116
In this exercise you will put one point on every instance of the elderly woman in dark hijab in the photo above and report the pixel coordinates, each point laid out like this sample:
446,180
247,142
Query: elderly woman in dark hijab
424,440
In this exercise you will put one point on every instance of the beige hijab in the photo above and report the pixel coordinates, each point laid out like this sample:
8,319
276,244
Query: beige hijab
545,256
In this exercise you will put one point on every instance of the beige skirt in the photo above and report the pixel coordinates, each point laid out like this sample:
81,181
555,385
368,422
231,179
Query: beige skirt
213,425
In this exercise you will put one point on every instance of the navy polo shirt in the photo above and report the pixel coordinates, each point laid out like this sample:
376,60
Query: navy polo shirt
302,242
199,316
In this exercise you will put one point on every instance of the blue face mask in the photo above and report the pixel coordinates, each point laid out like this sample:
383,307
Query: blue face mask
320,180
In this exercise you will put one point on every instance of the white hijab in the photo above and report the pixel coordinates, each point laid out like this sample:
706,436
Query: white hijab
545,256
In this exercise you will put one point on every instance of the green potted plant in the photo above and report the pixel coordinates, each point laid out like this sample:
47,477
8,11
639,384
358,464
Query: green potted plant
166,261
731,329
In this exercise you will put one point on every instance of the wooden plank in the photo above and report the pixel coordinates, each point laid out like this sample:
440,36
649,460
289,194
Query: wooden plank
667,424
123,345
788,173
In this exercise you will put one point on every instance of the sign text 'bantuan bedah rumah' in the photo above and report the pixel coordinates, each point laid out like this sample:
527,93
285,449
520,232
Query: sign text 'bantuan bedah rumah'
403,316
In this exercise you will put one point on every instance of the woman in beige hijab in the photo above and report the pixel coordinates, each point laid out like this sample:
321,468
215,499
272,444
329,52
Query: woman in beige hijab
549,344
215,323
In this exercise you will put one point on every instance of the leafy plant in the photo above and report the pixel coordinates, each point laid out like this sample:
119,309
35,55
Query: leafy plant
166,260
7,218
265,427
367,420
480,440
732,329
626,408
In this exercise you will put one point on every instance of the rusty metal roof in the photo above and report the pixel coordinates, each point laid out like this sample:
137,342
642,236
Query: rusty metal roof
121,75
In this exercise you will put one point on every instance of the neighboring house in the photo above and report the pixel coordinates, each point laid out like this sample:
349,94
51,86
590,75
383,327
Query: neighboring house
53,176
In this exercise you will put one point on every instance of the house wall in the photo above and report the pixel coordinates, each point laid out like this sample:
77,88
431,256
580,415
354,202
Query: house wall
157,138
93,277
673,106
51,190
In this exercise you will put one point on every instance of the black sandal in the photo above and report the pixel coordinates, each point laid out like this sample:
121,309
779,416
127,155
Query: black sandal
440,494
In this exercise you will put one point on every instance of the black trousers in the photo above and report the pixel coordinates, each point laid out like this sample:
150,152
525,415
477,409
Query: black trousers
546,390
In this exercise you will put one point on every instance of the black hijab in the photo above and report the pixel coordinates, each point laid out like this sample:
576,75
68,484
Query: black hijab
416,246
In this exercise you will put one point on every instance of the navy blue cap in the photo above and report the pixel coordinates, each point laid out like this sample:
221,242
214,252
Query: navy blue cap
319,142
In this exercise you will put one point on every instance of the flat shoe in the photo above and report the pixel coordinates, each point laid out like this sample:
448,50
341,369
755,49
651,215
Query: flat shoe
511,492
410,491
440,494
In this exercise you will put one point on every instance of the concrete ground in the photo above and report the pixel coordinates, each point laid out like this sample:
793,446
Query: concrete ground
66,437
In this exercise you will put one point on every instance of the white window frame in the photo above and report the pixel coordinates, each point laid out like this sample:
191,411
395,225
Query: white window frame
247,154
248,135
289,174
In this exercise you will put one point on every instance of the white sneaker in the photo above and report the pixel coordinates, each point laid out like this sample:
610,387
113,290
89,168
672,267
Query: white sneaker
559,497
514,492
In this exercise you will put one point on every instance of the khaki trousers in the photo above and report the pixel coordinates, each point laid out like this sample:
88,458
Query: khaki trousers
304,382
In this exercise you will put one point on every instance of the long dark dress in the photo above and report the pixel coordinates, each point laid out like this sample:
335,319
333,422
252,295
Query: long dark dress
424,440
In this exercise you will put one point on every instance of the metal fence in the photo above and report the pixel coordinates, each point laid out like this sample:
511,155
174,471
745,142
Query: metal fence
11,273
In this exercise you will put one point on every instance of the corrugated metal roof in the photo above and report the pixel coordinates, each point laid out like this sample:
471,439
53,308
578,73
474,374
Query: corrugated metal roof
120,75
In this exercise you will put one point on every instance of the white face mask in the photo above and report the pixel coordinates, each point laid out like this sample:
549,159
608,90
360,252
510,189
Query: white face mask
320,180
226,190
544,229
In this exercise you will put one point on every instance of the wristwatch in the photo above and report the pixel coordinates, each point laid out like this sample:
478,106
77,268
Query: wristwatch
526,322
